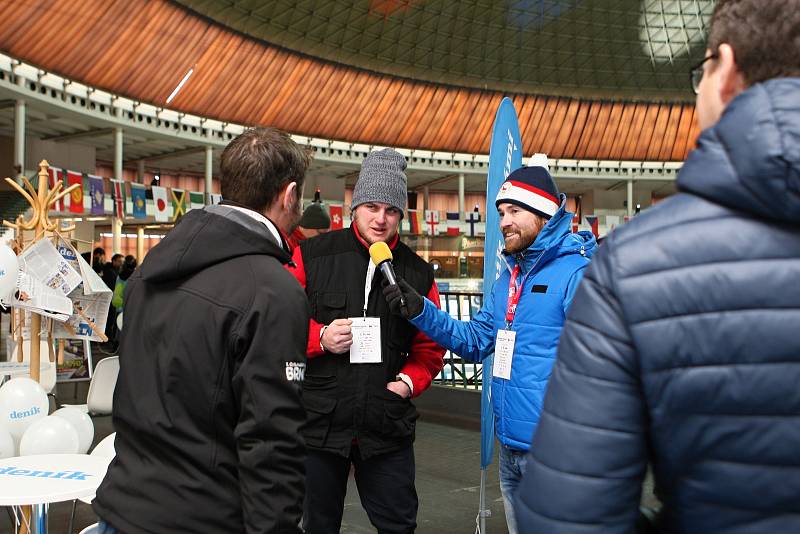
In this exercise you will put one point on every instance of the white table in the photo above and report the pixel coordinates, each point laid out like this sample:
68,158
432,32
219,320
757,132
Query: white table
47,478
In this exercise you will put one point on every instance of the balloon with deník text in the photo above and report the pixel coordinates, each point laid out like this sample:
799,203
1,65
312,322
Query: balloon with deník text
22,402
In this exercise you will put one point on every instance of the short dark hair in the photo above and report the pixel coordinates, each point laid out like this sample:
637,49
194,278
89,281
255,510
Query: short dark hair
764,35
99,250
258,164
115,257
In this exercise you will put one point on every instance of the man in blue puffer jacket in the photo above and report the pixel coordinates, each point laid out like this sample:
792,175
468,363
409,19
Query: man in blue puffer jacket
545,263
682,348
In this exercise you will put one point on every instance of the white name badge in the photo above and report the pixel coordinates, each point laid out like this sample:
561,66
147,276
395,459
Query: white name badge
366,347
503,354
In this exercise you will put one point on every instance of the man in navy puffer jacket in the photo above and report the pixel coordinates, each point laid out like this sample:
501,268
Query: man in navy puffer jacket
682,346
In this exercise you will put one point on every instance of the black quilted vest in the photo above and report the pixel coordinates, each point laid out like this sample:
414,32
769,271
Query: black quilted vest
349,403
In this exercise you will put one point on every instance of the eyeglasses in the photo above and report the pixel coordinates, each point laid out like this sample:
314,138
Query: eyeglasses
696,74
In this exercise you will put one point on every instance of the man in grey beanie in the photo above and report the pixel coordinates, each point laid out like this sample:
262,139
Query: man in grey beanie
358,395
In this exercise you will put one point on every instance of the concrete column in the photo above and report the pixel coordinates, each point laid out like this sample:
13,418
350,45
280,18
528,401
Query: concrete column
426,198
19,139
630,198
116,235
140,171
116,222
140,243
209,172
461,208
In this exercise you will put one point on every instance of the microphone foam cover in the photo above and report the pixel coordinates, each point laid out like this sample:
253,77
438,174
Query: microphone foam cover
379,252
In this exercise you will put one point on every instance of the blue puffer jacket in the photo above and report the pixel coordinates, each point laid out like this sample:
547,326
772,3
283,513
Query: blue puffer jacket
682,349
554,263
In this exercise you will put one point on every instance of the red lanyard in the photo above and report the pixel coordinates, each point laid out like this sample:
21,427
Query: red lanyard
513,296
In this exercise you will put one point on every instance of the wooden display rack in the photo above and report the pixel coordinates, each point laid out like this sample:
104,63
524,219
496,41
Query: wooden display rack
40,200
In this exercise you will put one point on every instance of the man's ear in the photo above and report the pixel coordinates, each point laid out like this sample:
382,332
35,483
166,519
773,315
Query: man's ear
731,80
289,197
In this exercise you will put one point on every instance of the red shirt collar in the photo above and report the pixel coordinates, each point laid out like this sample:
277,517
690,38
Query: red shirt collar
391,244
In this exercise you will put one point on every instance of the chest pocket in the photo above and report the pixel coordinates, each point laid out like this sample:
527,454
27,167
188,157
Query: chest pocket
543,306
329,305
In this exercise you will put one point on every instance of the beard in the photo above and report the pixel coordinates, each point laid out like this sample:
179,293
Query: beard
517,238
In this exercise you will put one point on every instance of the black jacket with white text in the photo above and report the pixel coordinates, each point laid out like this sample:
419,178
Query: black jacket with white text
207,407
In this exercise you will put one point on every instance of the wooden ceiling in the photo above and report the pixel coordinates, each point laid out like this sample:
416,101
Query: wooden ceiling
142,49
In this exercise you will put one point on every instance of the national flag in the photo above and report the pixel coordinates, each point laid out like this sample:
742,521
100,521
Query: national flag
575,223
196,200
432,221
54,176
415,221
216,198
452,223
139,201
178,203
473,217
118,195
160,203
337,220
76,197
591,220
97,194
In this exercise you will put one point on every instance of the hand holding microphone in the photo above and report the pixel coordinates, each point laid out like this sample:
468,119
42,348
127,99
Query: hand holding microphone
402,298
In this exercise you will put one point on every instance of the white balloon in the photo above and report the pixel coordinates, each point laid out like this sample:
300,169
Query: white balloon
51,435
83,425
9,270
22,402
7,446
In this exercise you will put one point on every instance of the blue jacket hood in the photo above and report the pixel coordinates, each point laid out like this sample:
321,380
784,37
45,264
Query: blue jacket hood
556,239
750,160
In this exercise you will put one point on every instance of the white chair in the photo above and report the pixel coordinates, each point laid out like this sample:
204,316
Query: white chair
101,388
91,529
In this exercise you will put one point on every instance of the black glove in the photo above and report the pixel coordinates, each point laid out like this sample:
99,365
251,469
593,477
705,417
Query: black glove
396,293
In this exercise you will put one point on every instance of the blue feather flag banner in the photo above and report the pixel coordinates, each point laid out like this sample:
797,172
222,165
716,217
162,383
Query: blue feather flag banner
505,156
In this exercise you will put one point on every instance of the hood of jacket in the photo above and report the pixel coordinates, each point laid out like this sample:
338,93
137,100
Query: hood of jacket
556,239
750,160
206,237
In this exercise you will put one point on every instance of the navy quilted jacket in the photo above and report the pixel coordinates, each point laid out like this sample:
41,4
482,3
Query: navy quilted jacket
682,348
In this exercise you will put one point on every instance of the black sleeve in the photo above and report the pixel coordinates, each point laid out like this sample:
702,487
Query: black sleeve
267,382
589,455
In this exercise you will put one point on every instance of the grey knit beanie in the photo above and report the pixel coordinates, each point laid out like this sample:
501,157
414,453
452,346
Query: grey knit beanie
382,180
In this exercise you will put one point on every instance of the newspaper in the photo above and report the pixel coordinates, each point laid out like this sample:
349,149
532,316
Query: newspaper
34,296
43,262
90,303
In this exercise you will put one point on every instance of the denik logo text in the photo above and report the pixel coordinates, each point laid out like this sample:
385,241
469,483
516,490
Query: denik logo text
65,475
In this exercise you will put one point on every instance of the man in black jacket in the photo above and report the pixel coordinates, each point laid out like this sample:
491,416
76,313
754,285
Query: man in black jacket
359,407
208,404
681,347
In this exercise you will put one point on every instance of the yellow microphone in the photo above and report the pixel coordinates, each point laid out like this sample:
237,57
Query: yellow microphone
382,258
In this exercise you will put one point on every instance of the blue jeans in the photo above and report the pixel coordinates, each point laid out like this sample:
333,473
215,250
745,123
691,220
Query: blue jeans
512,467
105,528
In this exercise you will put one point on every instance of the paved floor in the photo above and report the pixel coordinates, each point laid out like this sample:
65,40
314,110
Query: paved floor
448,478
